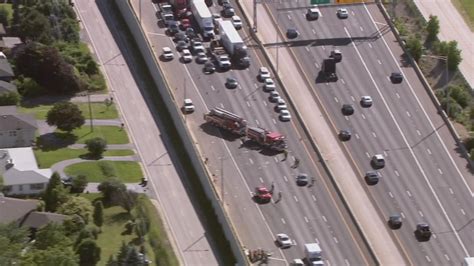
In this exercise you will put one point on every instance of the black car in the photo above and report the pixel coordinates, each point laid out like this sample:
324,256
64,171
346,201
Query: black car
372,177
173,27
395,221
345,135
228,12
396,77
231,83
181,45
423,232
209,68
347,109
180,36
191,33
292,33
302,180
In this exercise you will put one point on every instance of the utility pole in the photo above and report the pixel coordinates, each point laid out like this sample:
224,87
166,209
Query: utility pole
222,180
90,111
254,16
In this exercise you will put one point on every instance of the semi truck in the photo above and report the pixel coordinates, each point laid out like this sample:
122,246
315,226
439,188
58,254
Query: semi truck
237,125
313,254
203,18
329,69
233,43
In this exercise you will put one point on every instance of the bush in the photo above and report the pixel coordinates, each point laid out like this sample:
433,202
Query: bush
79,183
96,146
107,169
66,116
9,98
28,87
415,48
432,28
460,95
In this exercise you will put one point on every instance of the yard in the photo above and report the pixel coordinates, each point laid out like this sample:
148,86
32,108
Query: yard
157,244
98,171
46,158
99,111
112,134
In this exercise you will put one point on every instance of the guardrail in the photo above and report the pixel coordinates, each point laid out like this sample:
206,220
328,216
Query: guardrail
427,87
158,78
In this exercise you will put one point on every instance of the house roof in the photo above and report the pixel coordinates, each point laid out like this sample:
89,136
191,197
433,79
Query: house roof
14,176
5,68
15,209
40,219
2,29
10,119
7,87
10,42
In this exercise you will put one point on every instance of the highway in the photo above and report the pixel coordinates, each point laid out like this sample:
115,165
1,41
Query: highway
306,214
423,180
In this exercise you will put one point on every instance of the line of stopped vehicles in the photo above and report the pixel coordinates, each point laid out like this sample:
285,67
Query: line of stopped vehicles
193,27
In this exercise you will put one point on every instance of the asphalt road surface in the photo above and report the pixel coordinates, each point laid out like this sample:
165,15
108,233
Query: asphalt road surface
306,214
161,166
423,179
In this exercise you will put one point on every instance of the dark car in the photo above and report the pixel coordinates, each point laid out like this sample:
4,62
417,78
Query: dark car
347,109
345,135
396,77
372,177
395,221
312,13
292,33
191,33
173,27
209,68
221,2
185,23
231,83
423,232
181,45
180,36
302,180
228,12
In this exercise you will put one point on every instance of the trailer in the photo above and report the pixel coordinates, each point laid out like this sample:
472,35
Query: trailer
203,18
233,43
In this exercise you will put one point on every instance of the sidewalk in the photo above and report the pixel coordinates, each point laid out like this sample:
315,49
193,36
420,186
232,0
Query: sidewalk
365,214
452,27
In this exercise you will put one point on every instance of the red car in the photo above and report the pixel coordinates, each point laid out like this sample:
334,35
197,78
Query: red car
185,23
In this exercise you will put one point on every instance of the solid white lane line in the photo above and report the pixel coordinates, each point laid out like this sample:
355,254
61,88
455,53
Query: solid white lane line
404,137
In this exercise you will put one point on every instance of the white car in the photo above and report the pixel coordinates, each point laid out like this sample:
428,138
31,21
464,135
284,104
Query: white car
263,73
342,13
198,47
188,106
283,240
281,105
274,96
269,85
366,101
187,57
237,22
201,58
378,161
285,115
167,53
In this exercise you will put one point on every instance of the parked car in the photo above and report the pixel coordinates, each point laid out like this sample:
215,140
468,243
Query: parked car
269,85
274,96
285,115
188,106
237,22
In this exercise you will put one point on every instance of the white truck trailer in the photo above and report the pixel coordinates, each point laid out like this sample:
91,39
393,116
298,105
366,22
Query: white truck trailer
233,43
313,254
203,18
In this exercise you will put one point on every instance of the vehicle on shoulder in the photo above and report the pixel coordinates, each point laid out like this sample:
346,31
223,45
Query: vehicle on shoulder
347,109
285,115
366,101
396,77
342,13
313,13
167,53
378,161
372,177
395,221
274,96
345,135
237,22
269,85
188,106
263,74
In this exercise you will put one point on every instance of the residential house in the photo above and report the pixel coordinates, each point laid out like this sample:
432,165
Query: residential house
9,43
6,87
16,130
3,32
24,213
6,71
21,174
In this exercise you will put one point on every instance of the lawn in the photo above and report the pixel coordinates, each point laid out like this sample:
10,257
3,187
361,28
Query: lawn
98,171
49,157
99,111
113,134
466,8
111,238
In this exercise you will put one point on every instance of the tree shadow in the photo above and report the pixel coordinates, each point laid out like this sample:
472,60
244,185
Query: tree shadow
90,156
54,141
44,100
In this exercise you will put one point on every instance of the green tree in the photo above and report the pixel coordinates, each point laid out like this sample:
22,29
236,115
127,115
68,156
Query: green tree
79,206
472,154
112,261
460,94
123,253
98,213
28,86
83,234
127,199
4,16
69,30
449,49
9,98
96,147
111,190
35,26
432,28
133,258
74,224
89,252
48,68
141,229
56,255
54,195
66,116
415,48
12,241
79,183
51,235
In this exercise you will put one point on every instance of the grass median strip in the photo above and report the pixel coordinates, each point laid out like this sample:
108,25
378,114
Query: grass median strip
98,171
99,110
47,158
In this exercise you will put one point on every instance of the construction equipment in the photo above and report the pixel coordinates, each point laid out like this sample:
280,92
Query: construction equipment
237,125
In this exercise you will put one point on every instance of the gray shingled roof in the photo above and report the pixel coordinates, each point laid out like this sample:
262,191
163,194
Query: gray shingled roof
40,219
10,119
5,68
14,176
12,209
7,87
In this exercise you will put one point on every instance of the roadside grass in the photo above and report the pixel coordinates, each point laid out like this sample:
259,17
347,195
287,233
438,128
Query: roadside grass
466,8
46,158
112,134
99,110
112,235
98,171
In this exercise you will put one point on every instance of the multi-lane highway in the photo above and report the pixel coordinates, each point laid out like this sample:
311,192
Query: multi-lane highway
421,179
306,214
